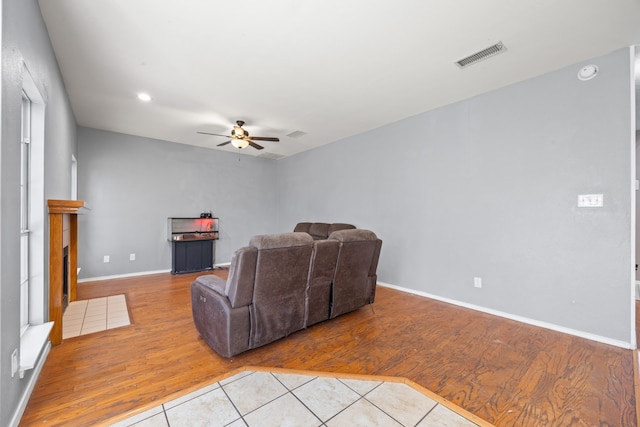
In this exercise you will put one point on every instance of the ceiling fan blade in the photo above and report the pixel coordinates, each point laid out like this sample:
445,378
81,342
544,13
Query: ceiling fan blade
265,138
214,134
224,143
256,146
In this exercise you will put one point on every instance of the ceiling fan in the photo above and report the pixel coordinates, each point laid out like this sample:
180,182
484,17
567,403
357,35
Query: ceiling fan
240,137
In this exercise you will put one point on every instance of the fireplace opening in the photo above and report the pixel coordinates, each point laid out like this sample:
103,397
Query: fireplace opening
65,277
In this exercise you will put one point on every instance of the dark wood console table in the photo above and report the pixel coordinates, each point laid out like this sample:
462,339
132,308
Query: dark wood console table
192,243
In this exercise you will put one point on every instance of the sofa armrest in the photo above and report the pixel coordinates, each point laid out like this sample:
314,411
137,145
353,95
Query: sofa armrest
223,328
213,282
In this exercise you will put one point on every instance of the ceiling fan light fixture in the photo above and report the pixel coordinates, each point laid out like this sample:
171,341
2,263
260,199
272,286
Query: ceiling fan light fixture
239,143
240,138
239,132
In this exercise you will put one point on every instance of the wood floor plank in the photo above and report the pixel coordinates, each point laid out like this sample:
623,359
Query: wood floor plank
505,372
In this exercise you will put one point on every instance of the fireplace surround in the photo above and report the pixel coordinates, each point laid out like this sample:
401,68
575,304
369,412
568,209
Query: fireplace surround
63,237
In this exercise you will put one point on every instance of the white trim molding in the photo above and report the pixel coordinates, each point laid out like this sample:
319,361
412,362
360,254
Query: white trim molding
143,273
551,326
22,404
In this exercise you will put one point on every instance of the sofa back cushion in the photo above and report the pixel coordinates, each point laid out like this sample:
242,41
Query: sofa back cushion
323,268
337,226
302,227
319,230
352,287
282,269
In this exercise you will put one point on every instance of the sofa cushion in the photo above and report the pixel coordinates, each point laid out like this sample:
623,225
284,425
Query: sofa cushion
353,235
302,227
319,230
282,271
282,240
323,267
336,226
353,286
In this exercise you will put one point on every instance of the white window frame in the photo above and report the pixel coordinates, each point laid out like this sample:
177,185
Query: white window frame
38,309
34,338
25,202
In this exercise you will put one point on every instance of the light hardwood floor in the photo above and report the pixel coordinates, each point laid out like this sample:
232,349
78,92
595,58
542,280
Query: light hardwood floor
505,372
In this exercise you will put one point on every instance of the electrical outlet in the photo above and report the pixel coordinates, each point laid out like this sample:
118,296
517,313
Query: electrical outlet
106,258
132,257
477,282
590,200
14,362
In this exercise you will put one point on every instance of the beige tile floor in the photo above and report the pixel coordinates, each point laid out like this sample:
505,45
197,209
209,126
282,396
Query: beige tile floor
276,399
94,315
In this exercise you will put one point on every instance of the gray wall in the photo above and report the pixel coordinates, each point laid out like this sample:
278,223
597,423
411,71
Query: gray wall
488,187
25,42
484,188
133,184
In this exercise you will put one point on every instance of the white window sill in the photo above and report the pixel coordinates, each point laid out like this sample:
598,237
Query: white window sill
31,344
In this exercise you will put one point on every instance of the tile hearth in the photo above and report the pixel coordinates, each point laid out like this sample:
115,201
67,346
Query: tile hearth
94,315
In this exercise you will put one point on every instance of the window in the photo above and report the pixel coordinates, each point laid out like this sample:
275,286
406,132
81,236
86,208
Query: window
34,328
33,214
25,197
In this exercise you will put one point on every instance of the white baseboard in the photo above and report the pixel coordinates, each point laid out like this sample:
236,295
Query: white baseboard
22,405
551,326
120,276
140,273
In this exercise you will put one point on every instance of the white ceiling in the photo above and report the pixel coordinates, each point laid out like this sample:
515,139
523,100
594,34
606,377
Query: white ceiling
330,68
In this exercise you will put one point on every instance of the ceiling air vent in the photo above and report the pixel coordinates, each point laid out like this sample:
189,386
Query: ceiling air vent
483,54
296,134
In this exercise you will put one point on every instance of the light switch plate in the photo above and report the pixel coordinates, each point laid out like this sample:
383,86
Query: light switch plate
590,200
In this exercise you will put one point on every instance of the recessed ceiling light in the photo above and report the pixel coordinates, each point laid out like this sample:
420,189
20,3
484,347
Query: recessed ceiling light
588,72
144,97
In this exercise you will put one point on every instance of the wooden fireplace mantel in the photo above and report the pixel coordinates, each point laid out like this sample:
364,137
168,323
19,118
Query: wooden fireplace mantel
66,206
63,233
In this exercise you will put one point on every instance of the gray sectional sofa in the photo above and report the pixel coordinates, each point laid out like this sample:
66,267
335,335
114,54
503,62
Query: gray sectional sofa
283,283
